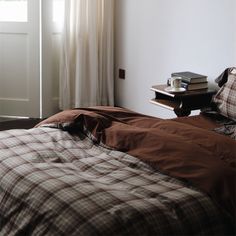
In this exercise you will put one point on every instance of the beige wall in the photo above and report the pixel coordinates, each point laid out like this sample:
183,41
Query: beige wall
157,37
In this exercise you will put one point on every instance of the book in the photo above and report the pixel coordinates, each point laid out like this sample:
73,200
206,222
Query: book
190,77
191,86
196,86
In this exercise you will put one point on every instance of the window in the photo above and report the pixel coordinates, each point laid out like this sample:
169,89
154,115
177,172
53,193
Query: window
13,10
58,11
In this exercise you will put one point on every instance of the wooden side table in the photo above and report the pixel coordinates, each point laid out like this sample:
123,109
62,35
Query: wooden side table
182,103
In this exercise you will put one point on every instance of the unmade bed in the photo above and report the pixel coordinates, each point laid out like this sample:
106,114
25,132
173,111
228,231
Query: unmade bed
111,171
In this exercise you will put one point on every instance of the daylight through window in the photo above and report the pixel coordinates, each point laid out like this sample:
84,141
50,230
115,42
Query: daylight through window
13,10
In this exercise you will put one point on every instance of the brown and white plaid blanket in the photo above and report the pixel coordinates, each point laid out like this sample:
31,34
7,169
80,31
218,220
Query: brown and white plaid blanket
55,183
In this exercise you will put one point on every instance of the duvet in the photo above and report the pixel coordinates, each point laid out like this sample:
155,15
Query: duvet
109,171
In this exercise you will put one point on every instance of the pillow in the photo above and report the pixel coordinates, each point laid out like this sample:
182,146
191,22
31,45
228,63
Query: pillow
223,77
225,99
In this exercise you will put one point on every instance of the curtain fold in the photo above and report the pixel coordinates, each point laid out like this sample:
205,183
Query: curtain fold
86,67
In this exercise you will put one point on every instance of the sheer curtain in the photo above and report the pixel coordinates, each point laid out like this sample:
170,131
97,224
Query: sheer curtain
86,67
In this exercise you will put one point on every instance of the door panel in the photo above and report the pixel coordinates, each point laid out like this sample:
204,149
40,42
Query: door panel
19,65
21,91
13,45
52,20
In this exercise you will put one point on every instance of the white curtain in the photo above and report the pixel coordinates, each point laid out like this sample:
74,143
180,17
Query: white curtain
86,67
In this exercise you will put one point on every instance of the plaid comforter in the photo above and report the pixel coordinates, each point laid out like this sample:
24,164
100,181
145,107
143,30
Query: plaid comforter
54,183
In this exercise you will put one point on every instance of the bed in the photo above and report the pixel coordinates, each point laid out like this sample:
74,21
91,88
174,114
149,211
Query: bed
111,171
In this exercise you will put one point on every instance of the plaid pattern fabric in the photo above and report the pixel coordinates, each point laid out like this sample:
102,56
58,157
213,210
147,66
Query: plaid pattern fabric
225,99
227,129
54,183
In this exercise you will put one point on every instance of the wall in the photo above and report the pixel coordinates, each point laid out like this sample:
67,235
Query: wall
156,37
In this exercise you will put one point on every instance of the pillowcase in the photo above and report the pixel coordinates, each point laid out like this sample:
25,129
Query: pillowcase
225,99
223,77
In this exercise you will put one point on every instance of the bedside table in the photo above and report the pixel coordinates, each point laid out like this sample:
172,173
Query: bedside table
182,103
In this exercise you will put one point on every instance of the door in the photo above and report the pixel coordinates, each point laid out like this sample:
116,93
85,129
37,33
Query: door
19,58
52,23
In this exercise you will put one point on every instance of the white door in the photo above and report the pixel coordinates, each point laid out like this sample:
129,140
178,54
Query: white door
52,22
19,58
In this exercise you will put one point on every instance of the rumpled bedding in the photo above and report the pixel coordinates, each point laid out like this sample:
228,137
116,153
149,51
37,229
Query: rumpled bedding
200,157
110,171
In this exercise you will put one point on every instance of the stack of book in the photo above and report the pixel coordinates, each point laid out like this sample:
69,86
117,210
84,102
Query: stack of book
192,81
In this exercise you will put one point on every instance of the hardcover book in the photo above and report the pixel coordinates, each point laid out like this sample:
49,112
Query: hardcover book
190,77
191,86
196,86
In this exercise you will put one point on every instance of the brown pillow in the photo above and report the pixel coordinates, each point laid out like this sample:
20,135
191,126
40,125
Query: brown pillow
225,99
